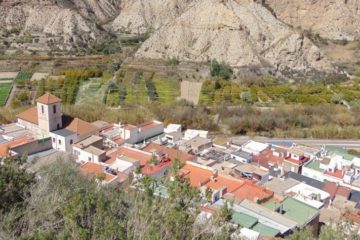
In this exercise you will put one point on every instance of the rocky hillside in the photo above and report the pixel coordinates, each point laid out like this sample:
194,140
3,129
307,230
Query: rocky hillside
239,32
141,16
63,24
243,33
335,19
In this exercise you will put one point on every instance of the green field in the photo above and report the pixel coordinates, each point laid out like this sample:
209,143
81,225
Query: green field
5,89
132,89
91,91
136,93
168,90
22,77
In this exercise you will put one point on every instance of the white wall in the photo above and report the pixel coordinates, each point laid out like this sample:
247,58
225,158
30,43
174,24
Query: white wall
83,156
159,129
240,159
61,143
311,173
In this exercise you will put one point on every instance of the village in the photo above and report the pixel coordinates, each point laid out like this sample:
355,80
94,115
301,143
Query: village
274,188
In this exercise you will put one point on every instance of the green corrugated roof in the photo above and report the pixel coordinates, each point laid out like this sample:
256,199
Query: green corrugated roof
243,219
295,210
315,165
265,230
340,151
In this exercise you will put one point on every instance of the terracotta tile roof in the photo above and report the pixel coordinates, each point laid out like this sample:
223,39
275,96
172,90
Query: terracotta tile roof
4,147
240,189
142,156
129,127
48,98
267,159
230,183
196,175
201,177
344,191
338,174
252,192
150,170
30,115
96,170
172,153
81,127
148,125
297,162
118,140
334,189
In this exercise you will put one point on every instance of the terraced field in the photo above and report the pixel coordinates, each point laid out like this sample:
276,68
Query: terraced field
6,84
5,89
141,87
22,77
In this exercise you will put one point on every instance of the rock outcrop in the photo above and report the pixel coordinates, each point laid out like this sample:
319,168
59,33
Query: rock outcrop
243,33
67,23
335,19
141,16
239,32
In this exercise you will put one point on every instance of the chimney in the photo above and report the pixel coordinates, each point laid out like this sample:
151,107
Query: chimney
318,197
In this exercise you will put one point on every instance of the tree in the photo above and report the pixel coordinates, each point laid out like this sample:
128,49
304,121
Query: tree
208,194
221,70
15,184
305,234
226,212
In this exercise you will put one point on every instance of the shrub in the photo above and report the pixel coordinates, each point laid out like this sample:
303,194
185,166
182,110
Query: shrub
220,70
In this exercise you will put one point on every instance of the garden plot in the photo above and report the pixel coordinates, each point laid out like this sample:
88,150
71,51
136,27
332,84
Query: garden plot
91,91
5,89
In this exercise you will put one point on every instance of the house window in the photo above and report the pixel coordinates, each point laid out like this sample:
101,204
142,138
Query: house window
54,109
90,159
59,142
54,140
58,126
71,141
42,109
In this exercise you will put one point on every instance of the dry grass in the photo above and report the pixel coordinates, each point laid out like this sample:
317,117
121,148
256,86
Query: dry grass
39,76
8,75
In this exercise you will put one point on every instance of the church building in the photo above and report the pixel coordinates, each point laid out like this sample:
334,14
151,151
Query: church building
47,120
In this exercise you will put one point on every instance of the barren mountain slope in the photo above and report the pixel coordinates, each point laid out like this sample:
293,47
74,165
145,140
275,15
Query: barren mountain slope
335,19
140,16
68,22
240,32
